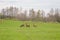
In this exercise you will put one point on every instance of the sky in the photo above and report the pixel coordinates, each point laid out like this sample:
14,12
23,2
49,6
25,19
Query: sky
46,5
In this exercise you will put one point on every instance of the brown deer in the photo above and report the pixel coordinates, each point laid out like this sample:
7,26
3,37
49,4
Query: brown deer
22,25
27,25
34,25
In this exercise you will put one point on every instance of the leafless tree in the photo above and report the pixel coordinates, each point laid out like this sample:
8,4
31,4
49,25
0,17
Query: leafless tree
32,14
42,15
38,17
57,16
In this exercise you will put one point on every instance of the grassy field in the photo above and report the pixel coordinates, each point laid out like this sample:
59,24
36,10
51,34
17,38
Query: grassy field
10,30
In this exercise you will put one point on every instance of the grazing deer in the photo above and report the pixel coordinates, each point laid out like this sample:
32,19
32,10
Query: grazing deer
34,25
22,25
27,25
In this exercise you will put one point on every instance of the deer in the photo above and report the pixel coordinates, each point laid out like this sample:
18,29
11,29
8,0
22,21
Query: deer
22,25
34,25
27,25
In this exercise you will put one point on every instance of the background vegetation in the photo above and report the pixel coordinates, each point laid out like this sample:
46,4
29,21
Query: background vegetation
30,15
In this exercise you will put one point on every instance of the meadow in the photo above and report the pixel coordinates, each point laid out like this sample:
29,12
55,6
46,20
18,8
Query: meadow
11,30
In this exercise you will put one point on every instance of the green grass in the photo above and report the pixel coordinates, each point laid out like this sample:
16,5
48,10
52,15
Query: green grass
10,30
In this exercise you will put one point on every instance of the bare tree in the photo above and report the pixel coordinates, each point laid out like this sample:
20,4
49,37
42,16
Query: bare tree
57,16
32,14
25,15
43,15
38,17
51,17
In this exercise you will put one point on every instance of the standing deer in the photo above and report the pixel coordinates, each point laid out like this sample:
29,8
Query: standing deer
22,25
34,25
27,25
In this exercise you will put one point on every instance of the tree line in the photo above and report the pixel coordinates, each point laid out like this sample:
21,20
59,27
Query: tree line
23,15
